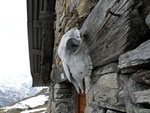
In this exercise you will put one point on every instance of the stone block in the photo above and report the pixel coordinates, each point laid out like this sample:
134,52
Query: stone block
108,80
110,111
142,96
89,109
58,101
110,68
105,97
136,57
62,91
64,108
140,110
131,92
142,76
105,93
53,107
108,98
64,96
62,86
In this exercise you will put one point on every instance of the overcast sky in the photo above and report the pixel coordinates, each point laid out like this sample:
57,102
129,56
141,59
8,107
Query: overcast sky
14,58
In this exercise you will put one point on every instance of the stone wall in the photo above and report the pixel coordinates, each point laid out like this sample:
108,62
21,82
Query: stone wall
119,44
63,98
69,14
122,86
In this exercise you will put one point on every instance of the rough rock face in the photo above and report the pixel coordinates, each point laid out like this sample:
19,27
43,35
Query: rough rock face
118,41
137,57
124,92
63,100
142,96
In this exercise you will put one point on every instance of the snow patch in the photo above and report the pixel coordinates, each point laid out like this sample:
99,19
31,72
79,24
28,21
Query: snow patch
35,101
34,110
31,102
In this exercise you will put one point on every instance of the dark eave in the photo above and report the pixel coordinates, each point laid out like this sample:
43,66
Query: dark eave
40,39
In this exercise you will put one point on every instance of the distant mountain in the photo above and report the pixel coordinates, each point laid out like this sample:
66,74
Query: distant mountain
34,104
16,89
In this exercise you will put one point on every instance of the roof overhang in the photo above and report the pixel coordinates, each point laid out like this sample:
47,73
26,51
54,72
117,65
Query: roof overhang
40,21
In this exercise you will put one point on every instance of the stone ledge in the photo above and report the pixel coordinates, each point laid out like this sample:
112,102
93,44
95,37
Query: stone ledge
142,96
136,57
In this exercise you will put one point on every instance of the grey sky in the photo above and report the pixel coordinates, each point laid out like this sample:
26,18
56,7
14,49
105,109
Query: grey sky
14,59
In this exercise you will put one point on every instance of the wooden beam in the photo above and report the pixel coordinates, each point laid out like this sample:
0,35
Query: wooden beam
36,74
37,24
47,16
111,30
36,51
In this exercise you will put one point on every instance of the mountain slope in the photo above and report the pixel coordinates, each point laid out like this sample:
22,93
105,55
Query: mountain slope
12,90
33,104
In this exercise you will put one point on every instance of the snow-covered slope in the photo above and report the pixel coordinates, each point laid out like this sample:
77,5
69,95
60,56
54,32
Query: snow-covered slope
36,103
15,89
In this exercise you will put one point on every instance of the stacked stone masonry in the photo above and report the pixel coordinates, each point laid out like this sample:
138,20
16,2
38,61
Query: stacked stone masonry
120,50
63,98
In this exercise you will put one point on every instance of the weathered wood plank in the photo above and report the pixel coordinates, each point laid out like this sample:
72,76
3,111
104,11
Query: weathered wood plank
108,36
37,24
36,51
36,74
47,18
